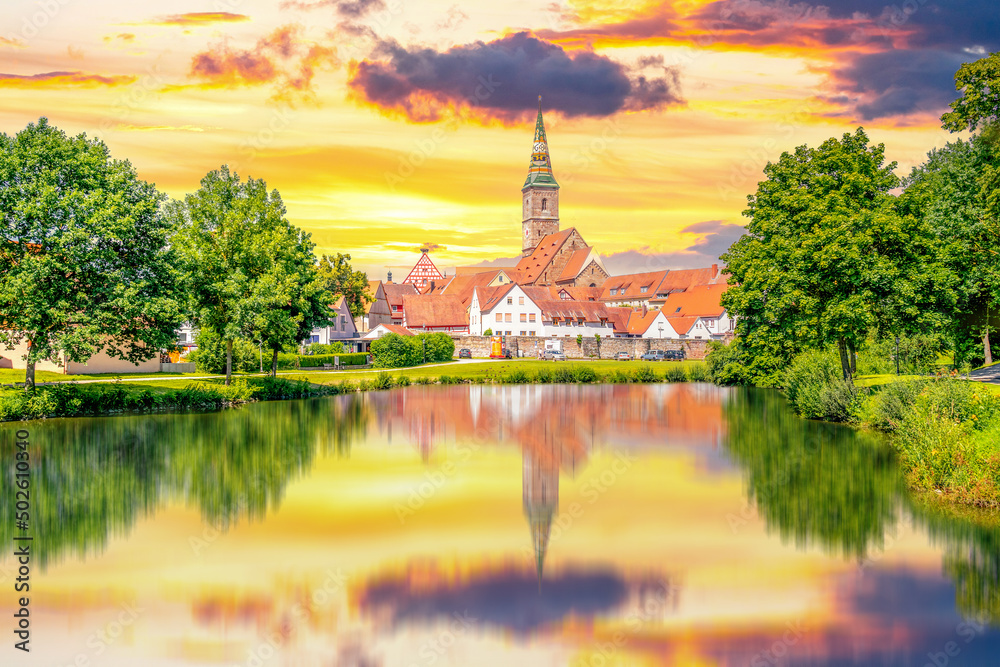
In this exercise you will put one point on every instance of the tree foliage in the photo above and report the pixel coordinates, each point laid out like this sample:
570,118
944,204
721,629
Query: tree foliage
84,258
342,280
826,258
978,104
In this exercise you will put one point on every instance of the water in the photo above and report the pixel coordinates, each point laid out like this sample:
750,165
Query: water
478,525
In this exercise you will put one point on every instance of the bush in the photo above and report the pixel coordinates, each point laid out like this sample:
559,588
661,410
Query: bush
395,351
423,380
516,376
563,374
816,389
447,379
619,377
584,374
402,381
543,376
488,332
697,373
675,373
383,381
210,357
886,407
437,346
645,373
317,360
724,366
320,348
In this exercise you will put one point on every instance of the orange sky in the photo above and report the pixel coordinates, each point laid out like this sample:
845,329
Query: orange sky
375,159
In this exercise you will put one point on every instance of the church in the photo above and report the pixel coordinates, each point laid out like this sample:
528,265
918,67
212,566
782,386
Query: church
550,256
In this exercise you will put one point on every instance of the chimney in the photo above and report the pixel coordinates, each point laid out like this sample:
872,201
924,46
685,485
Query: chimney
432,287
715,270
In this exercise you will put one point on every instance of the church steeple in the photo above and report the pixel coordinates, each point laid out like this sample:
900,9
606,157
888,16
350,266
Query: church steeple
540,167
540,192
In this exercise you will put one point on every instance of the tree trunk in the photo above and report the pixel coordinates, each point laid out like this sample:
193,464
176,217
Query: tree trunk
854,362
29,376
274,363
986,347
845,363
229,362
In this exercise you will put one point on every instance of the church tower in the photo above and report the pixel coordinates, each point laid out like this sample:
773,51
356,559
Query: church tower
540,194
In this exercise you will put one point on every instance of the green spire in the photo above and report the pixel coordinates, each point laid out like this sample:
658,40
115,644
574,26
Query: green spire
540,167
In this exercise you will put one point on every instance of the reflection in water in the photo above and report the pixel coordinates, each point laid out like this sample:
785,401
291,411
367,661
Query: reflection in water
823,489
94,478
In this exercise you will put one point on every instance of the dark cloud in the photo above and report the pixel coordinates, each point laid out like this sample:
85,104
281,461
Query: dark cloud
895,83
431,247
503,79
283,59
716,237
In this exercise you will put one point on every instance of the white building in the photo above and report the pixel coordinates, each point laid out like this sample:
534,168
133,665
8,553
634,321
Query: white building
515,310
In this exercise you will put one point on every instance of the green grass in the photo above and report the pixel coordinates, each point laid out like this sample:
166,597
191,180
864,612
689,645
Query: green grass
15,376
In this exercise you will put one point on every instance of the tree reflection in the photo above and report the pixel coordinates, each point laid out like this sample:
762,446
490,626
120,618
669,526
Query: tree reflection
814,483
94,478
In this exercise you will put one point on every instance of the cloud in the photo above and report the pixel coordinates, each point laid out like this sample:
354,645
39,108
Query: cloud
715,238
454,17
352,9
13,43
197,19
431,247
502,80
895,83
64,80
283,59
125,37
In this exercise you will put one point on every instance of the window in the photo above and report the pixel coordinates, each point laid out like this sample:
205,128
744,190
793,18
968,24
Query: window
545,205
510,301
522,333
507,317
580,321
396,309
314,339
531,333
508,333
520,300
677,311
499,317
524,318
531,317
644,289
614,292
343,323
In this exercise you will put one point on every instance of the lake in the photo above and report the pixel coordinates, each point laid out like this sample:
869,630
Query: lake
667,524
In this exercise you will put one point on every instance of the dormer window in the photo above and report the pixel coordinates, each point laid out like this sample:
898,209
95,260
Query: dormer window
644,288
614,292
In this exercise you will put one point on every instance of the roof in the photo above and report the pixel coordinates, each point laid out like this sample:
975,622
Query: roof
639,323
462,285
438,310
578,261
390,328
589,311
373,286
533,265
698,301
338,303
682,324
577,293
630,285
394,292
540,168
619,317
685,279
423,271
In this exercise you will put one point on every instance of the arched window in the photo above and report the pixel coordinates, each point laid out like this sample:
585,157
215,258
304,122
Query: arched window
545,204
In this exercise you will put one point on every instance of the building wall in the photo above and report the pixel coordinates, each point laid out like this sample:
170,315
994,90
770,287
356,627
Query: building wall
103,363
561,259
17,354
592,275
487,320
529,346
537,223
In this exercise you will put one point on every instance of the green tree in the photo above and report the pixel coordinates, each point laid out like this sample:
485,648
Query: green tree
395,351
978,105
826,258
438,346
343,280
290,300
231,234
946,193
84,258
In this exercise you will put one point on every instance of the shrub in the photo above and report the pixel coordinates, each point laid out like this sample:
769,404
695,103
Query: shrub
488,332
317,360
584,374
645,373
516,376
364,384
395,351
724,365
886,407
697,372
619,377
423,380
543,376
383,381
447,379
437,346
321,348
210,357
402,381
816,389
563,374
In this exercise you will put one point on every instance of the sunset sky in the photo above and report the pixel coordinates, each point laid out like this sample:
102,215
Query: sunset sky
391,124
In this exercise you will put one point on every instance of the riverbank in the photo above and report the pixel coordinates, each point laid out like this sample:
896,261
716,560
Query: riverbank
162,395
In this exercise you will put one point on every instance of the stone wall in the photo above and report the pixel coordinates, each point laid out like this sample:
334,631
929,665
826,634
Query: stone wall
608,348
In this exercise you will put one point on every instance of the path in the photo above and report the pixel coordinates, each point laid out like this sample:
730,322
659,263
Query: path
988,374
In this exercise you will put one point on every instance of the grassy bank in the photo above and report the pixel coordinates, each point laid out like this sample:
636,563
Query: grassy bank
945,430
80,400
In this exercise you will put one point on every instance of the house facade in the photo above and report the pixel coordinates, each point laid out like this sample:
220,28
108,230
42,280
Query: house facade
377,311
341,328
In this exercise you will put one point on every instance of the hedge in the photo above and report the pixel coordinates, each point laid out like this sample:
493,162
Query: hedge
317,360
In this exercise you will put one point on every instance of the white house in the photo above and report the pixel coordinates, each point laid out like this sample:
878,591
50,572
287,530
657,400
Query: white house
699,312
341,327
516,310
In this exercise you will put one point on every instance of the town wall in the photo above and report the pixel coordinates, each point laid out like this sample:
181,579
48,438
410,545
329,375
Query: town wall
606,348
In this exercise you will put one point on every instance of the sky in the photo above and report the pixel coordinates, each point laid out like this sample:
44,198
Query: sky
391,125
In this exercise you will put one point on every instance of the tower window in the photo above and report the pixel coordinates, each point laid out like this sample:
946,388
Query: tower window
545,204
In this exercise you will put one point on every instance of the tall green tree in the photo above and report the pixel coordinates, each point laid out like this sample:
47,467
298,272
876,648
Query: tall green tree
945,192
84,260
978,104
343,280
826,258
231,234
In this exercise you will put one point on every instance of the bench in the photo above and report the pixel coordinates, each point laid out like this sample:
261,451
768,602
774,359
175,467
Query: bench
327,367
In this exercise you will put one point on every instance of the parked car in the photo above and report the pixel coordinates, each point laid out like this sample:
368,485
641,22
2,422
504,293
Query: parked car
465,353
507,354
674,355
623,356
654,355
553,355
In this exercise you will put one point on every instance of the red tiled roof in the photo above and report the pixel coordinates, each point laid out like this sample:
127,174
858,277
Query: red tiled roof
589,311
434,310
490,296
577,262
578,293
394,292
629,286
698,301
619,317
534,264
682,324
396,329
462,285
685,279
638,323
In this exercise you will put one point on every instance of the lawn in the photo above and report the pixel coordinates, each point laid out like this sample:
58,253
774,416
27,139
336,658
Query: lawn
9,376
